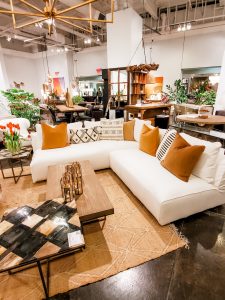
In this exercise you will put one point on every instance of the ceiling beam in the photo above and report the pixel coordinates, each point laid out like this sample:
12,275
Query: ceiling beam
151,8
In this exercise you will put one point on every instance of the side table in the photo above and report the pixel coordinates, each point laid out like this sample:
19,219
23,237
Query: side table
20,157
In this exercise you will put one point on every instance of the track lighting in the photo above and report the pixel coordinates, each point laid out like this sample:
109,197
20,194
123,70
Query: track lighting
184,27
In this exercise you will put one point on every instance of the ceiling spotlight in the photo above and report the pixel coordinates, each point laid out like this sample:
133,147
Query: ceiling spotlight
8,38
66,49
179,28
58,50
98,39
50,21
183,27
188,26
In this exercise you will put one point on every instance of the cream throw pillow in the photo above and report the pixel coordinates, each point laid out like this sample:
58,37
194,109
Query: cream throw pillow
206,166
112,129
138,128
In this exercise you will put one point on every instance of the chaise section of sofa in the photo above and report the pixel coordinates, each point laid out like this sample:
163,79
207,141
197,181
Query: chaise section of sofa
164,195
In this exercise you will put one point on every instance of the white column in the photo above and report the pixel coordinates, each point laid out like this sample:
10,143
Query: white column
123,38
220,97
4,83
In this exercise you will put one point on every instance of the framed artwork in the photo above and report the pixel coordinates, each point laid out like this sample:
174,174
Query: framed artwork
59,86
154,85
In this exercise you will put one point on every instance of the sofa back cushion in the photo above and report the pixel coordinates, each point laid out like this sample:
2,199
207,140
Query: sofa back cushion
138,128
54,137
165,144
220,171
128,130
182,158
206,166
112,129
85,135
149,140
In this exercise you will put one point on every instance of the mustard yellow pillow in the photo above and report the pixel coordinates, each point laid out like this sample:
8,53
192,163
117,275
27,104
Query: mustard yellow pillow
128,130
149,140
54,137
182,158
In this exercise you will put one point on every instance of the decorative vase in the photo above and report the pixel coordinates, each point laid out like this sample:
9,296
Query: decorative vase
13,146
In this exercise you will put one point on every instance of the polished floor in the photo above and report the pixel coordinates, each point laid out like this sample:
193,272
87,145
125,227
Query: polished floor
197,273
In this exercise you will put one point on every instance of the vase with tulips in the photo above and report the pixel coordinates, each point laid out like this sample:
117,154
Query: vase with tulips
11,139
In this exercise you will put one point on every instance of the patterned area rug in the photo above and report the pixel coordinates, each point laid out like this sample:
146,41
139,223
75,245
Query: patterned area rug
128,238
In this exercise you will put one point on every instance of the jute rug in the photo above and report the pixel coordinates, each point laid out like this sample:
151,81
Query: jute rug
128,238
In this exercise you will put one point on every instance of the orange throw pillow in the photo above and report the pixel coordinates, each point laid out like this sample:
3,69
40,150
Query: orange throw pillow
54,137
182,158
149,140
128,130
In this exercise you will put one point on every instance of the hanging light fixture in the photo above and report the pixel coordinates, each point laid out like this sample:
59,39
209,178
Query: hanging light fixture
50,14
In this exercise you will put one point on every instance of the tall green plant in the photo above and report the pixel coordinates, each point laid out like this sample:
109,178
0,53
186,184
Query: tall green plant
177,94
21,105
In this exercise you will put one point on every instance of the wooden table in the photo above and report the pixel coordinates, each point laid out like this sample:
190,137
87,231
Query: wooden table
93,203
75,109
194,119
147,111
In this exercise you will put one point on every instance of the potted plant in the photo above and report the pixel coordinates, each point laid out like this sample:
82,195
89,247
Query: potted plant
77,99
11,138
177,94
21,104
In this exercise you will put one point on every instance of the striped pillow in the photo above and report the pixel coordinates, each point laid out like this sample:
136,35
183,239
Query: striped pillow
165,144
112,129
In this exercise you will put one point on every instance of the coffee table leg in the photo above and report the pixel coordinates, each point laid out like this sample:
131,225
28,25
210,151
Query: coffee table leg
43,279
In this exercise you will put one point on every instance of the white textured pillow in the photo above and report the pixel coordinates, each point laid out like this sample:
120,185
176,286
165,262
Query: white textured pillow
138,128
165,144
112,129
206,166
220,171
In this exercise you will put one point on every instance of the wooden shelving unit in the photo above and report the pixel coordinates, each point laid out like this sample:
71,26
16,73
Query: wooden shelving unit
138,81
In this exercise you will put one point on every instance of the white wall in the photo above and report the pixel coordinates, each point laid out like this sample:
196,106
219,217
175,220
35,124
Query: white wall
124,38
89,60
21,69
204,50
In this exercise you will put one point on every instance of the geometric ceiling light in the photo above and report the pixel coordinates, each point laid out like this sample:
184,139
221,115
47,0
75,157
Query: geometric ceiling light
51,15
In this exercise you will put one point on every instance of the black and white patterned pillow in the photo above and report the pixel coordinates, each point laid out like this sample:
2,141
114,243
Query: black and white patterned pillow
165,144
85,135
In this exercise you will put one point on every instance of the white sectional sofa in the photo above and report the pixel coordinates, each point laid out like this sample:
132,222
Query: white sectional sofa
164,195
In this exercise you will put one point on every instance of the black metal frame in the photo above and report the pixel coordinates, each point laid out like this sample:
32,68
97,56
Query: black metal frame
31,264
12,162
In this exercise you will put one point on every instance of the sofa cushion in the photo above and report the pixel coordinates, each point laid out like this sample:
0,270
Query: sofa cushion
128,130
182,158
97,153
149,140
85,135
206,166
165,144
54,137
163,194
220,171
112,130
138,128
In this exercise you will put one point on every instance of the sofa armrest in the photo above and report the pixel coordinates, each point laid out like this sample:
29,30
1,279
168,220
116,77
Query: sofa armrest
35,141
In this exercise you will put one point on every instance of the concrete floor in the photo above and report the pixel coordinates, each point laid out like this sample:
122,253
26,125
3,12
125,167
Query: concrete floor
194,273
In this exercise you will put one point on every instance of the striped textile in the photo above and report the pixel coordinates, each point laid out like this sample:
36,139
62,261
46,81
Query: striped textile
112,129
165,144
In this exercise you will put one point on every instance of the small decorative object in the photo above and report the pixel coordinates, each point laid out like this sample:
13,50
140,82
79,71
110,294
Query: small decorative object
69,101
11,139
203,112
67,187
77,178
71,182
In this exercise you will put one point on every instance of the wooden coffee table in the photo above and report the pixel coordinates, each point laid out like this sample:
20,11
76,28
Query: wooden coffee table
93,203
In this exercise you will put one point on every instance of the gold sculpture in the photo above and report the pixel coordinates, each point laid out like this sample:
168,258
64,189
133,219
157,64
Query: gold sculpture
71,182
69,101
51,15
